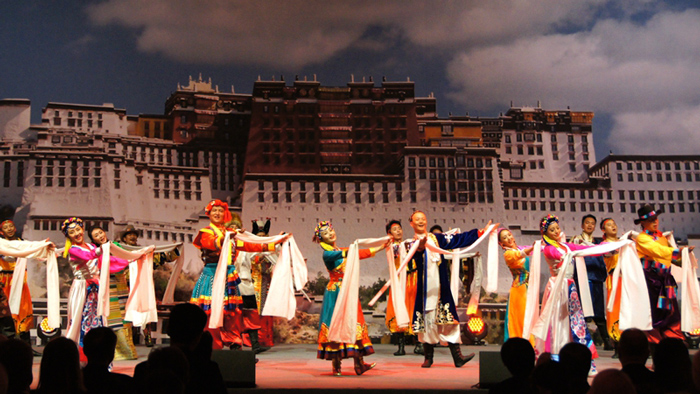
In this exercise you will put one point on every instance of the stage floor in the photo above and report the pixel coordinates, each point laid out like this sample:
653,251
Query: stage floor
296,368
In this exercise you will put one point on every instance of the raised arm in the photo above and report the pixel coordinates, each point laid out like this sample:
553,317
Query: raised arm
663,254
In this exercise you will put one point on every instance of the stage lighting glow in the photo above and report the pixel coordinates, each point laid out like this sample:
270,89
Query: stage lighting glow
476,330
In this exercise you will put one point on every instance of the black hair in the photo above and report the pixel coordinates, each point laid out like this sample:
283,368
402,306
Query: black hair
391,223
602,224
588,216
436,227
91,229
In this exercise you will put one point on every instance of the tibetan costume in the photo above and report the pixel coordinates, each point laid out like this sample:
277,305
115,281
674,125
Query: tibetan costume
23,320
612,317
519,266
209,240
82,300
411,287
434,317
656,257
334,258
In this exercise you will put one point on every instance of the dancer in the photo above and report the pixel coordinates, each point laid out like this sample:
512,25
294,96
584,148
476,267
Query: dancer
24,319
657,256
82,301
597,275
570,324
118,295
518,262
435,315
394,229
209,241
334,259
612,318
249,267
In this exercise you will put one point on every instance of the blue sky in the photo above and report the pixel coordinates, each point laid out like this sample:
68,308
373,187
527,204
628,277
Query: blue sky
635,63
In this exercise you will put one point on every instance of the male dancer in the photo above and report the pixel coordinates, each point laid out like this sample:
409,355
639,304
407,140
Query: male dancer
435,314
657,256
597,273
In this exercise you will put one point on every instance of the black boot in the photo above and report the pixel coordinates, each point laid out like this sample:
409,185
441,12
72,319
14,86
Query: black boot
26,337
419,348
428,351
603,330
402,344
457,355
255,344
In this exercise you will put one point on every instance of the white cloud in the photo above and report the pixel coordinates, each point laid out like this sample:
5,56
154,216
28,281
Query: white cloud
617,67
665,131
298,33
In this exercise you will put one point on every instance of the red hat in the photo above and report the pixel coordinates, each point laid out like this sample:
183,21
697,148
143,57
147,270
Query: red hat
219,203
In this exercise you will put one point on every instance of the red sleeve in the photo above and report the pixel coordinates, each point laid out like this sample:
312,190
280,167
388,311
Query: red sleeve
366,253
253,247
205,239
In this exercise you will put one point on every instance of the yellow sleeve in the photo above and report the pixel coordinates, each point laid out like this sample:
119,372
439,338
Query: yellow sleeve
647,247
513,259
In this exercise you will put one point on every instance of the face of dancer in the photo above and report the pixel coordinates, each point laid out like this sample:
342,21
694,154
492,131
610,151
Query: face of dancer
76,235
651,225
419,223
553,231
99,236
506,239
588,226
396,231
131,239
216,215
328,235
9,230
610,229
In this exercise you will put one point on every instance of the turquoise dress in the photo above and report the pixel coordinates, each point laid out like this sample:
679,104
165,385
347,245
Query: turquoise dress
334,259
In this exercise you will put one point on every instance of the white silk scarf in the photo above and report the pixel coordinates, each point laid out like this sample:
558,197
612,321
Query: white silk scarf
690,289
545,320
635,310
142,296
38,250
289,272
344,320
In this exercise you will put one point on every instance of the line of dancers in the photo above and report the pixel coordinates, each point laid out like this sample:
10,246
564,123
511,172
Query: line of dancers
427,306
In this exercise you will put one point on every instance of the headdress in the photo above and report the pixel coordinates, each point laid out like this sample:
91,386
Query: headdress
602,223
3,223
647,212
261,226
218,203
544,225
70,223
317,231
547,221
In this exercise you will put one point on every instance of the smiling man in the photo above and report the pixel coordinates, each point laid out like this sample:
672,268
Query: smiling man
435,313
657,257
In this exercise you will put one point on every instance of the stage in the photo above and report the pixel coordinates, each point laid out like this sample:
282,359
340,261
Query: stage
294,368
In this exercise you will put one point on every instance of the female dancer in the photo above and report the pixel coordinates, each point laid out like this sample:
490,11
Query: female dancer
82,301
612,318
118,295
334,259
209,240
570,324
518,262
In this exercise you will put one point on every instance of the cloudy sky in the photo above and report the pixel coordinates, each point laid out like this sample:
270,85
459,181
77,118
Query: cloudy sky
635,63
